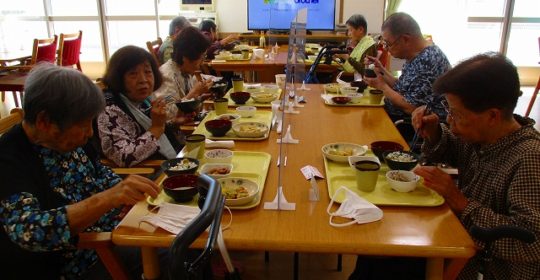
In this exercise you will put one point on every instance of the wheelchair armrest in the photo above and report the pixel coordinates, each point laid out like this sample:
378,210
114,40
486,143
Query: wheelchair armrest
489,235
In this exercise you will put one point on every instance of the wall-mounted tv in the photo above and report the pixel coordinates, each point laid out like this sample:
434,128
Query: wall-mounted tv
197,5
278,14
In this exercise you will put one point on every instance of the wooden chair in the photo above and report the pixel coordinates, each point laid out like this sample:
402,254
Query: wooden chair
70,49
43,50
15,117
153,48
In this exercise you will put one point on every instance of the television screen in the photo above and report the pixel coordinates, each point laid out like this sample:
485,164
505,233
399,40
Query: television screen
278,14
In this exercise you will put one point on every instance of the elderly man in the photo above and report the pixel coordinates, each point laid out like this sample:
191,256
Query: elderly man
425,62
176,26
497,154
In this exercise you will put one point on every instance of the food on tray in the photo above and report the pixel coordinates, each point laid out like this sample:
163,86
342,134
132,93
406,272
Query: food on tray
331,88
398,176
251,128
401,157
347,152
185,164
235,192
219,171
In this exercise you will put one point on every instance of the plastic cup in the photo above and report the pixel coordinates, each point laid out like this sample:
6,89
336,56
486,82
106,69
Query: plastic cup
238,84
280,80
375,96
367,172
245,54
195,142
221,105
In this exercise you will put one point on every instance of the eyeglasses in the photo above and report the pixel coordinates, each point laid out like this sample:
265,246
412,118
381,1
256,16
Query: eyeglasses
451,115
387,45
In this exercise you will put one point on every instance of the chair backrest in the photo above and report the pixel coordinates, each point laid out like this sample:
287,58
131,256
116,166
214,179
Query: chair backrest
44,50
15,117
180,267
70,49
153,48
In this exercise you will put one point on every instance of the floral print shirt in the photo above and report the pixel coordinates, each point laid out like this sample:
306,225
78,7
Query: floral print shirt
416,80
75,178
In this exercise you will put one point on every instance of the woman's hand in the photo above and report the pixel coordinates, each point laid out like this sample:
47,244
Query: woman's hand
426,125
200,88
159,117
131,190
443,184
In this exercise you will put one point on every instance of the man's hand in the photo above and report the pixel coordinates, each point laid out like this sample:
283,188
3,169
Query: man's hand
443,184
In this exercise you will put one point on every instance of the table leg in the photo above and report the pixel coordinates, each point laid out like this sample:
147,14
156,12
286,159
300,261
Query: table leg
434,268
150,263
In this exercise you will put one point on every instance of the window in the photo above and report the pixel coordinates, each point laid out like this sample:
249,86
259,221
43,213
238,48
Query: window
463,28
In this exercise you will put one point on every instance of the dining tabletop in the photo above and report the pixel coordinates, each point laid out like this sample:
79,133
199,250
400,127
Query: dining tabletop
434,232
265,67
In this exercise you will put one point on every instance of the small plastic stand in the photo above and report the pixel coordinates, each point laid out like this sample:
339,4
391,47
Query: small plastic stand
288,137
280,202
290,108
303,87
314,190
297,103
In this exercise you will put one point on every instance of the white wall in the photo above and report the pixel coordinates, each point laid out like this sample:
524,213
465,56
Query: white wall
232,14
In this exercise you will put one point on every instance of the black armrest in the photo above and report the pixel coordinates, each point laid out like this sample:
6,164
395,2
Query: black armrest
210,215
489,235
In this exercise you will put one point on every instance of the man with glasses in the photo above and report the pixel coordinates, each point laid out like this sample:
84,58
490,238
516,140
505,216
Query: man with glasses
424,63
497,154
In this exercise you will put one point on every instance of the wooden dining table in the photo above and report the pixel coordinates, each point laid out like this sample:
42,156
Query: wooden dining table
263,69
434,233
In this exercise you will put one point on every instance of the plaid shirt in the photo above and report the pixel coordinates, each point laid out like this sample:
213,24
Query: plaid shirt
502,184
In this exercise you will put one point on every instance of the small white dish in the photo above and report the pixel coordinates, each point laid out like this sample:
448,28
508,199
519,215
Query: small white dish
340,152
218,156
231,187
217,170
246,111
402,181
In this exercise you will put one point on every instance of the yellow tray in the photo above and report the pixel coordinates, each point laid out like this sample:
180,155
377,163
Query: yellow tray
364,102
260,116
250,101
341,174
248,165
241,59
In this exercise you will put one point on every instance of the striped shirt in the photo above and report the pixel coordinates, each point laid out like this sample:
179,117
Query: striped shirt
502,183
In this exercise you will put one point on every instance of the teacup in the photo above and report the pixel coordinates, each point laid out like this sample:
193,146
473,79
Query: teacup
367,172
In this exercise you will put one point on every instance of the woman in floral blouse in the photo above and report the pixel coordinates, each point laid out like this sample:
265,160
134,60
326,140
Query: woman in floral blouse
133,128
53,185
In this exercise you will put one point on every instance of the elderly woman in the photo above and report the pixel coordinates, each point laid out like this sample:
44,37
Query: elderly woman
178,73
132,128
53,185
209,29
365,45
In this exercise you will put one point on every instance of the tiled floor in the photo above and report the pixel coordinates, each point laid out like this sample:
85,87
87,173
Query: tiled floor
311,266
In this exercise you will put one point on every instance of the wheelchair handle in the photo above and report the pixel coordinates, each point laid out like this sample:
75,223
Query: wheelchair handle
489,235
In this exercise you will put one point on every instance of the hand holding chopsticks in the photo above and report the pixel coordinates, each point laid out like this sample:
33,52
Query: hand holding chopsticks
426,125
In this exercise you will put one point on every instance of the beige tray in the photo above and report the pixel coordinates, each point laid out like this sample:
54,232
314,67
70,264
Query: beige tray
241,59
249,165
260,116
341,174
250,101
364,102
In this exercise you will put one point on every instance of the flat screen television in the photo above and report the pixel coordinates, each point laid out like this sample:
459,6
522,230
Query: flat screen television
197,5
278,14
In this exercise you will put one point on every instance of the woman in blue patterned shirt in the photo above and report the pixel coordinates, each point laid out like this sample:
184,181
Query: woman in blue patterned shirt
53,186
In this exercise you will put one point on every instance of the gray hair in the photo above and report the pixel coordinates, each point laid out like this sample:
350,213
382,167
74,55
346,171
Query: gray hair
65,95
401,24
179,22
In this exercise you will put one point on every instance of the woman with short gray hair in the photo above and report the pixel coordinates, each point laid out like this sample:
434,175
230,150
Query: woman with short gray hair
53,185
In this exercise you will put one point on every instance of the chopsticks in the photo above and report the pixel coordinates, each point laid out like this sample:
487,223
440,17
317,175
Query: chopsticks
416,136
